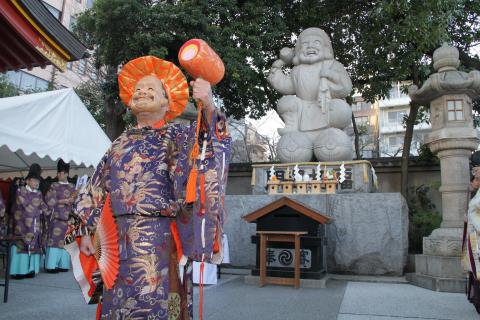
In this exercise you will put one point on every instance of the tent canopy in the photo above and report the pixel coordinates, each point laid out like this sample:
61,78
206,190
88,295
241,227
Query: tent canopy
43,127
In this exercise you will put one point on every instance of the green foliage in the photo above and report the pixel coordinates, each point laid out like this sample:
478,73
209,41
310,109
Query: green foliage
423,217
92,96
7,89
421,225
425,154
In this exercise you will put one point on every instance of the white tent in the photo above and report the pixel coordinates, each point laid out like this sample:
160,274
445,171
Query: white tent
43,127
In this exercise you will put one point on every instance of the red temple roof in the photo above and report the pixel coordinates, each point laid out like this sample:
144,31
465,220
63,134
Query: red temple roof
33,37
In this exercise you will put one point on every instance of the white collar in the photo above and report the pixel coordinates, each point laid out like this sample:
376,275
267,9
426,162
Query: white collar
30,189
63,182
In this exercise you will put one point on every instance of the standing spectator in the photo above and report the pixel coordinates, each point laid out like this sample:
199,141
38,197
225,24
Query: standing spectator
12,194
59,199
27,212
3,225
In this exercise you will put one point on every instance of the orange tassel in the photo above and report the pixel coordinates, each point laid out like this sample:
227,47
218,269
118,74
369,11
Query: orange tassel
216,244
191,195
98,314
176,238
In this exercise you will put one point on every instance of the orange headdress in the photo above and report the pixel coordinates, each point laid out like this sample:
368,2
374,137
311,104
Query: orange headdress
174,82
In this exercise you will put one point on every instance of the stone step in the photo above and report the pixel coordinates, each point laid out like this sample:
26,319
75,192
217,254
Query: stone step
365,278
456,285
439,266
304,283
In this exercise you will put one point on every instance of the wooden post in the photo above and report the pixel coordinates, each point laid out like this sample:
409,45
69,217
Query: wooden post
263,259
280,236
297,261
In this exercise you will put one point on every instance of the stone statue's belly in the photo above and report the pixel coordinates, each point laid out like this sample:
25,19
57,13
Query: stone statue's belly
311,117
307,81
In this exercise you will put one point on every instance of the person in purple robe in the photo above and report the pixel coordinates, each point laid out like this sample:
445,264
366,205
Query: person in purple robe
145,173
3,221
59,199
28,209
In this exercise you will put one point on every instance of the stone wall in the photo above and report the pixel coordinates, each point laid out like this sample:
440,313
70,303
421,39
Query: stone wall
368,234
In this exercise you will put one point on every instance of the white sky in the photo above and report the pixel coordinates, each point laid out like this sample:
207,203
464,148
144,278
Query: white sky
267,125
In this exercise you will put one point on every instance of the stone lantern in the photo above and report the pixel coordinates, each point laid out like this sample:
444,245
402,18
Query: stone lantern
449,92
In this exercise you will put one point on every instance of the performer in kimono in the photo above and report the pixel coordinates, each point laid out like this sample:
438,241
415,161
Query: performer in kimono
145,173
471,253
59,199
27,212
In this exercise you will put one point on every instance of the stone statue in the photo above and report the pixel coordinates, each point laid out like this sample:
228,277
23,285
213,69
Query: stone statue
313,106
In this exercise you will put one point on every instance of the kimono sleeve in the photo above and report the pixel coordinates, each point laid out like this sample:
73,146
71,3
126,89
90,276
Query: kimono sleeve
200,224
474,212
88,205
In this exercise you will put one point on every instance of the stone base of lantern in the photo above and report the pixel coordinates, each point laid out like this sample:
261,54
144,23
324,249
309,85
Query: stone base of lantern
439,267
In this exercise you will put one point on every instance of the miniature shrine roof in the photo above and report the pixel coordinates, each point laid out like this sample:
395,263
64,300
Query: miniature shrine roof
284,201
33,37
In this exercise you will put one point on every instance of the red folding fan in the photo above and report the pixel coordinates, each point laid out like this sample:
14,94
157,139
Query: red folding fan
105,242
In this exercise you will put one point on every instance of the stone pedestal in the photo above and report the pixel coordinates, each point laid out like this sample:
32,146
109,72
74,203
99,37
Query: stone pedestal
368,235
439,267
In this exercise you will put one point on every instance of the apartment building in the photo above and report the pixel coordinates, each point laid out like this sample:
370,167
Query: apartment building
247,144
366,119
38,79
391,114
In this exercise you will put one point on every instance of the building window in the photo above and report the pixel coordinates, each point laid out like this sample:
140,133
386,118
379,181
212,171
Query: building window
361,105
82,67
54,11
27,82
362,121
356,106
73,22
455,110
367,153
395,141
89,4
396,117
396,92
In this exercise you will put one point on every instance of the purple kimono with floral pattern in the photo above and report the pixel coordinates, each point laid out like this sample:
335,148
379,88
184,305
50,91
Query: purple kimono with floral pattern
28,211
146,171
59,213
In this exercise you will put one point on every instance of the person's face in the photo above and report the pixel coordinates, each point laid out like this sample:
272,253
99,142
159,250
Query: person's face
33,183
148,96
62,176
476,181
311,49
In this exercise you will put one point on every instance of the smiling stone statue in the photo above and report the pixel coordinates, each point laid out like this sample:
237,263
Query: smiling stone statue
313,106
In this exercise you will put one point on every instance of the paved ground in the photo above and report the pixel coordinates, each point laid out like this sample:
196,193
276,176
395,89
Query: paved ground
56,296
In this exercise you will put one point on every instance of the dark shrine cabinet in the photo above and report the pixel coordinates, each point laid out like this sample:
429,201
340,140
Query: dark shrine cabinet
287,215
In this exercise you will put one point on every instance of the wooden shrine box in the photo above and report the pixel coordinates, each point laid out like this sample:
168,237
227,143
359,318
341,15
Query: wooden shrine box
316,187
273,187
331,186
302,187
287,215
287,187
